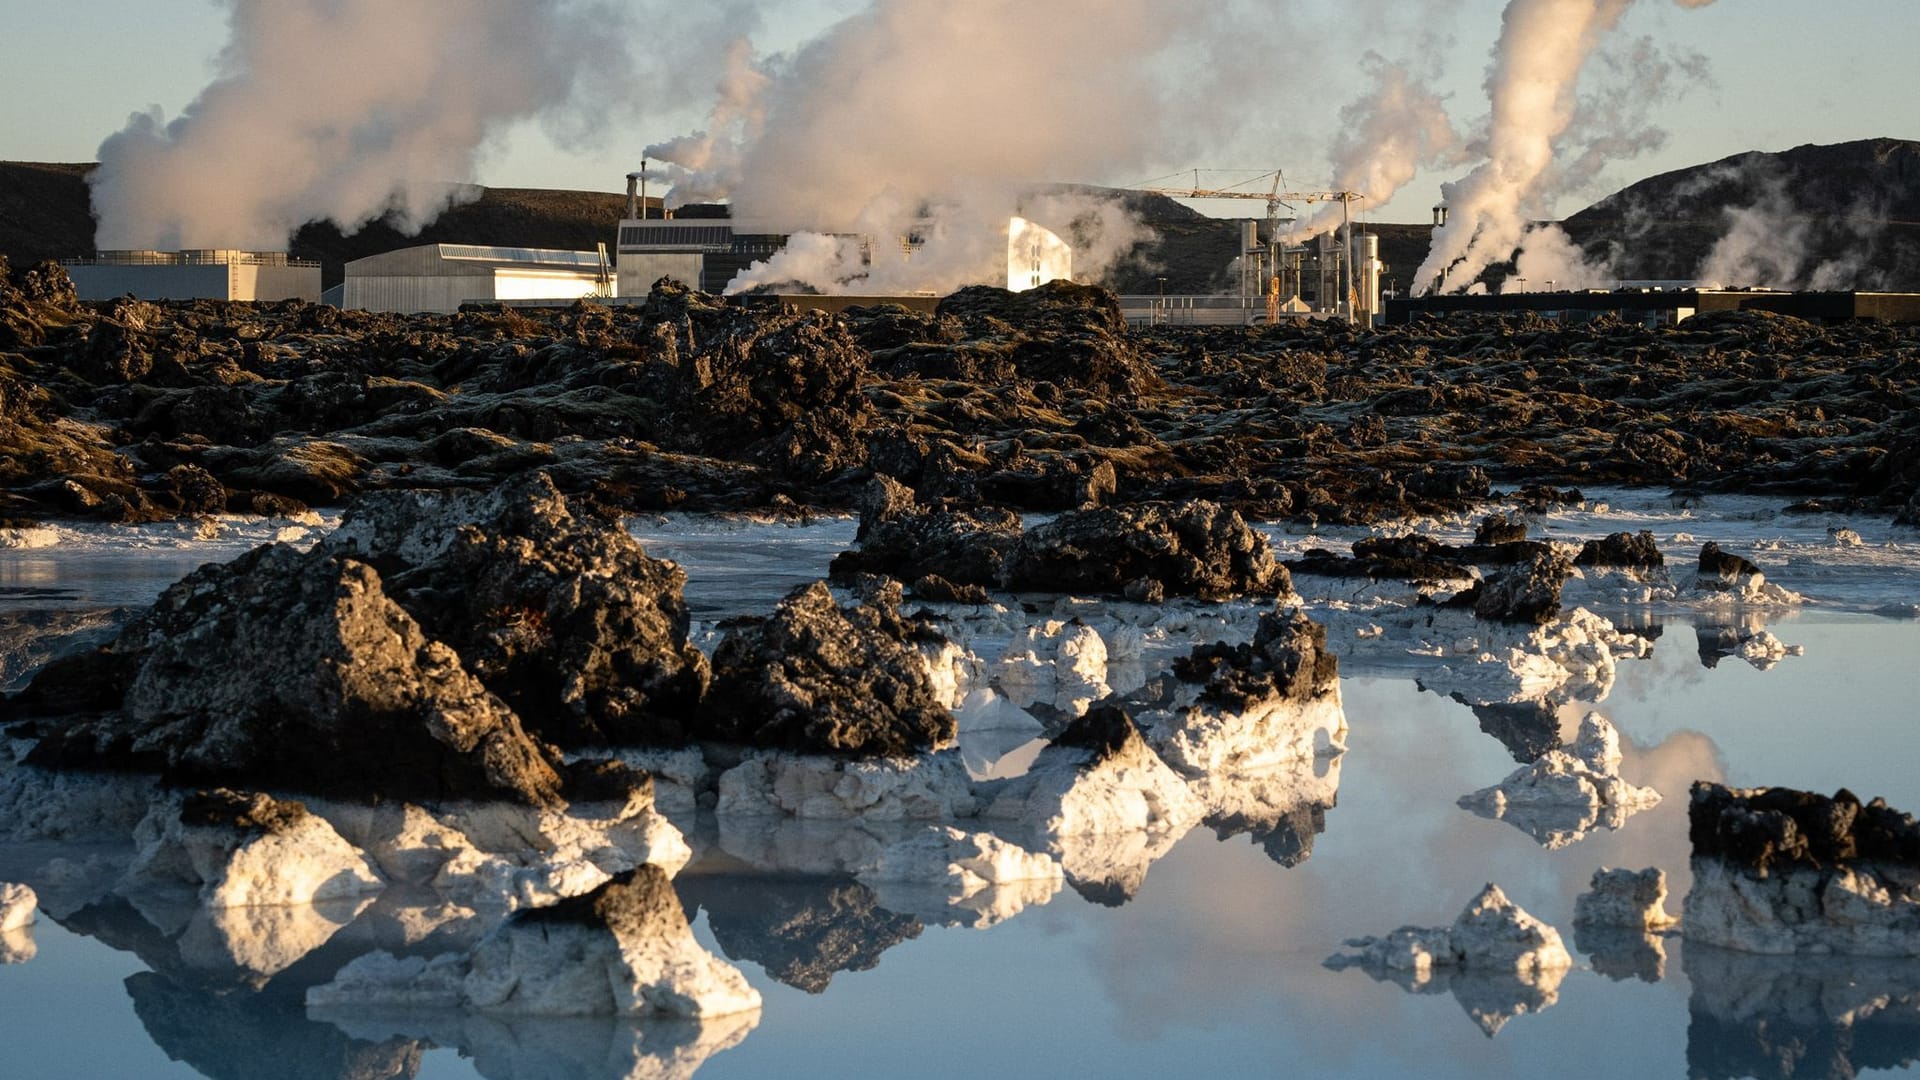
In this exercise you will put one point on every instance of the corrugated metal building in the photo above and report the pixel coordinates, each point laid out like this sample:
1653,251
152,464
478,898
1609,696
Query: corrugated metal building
441,277
1666,306
202,274
703,253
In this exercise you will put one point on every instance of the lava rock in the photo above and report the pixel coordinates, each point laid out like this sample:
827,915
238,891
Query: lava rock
1197,549
816,678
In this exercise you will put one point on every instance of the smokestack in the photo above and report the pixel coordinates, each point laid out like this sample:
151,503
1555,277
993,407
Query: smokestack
633,197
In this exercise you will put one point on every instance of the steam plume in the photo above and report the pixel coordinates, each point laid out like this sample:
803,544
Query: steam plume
347,110
1537,62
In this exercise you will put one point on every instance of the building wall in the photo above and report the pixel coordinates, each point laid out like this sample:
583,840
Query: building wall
268,282
160,282
406,293
543,285
638,271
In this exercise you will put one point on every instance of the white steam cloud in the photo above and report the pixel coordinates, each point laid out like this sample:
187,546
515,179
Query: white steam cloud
1385,138
938,119
349,110
1542,48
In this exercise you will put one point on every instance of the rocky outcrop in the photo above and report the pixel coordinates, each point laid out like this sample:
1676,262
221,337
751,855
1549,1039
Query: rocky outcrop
292,670
817,678
1197,549
248,850
1097,776
624,948
1527,592
1566,794
1782,871
1627,550
560,614
903,539
1242,708
1629,899
1497,959
1736,579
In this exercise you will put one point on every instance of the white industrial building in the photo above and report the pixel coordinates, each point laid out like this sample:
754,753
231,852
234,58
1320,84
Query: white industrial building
201,274
441,277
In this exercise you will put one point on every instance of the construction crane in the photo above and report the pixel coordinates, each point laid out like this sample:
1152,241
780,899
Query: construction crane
1275,199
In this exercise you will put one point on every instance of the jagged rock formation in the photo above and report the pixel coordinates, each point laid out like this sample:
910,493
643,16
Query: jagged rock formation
18,906
1566,794
249,851
1147,553
816,678
1782,871
1497,959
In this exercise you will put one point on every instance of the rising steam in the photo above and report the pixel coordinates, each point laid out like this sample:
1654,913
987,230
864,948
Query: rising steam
347,110
1492,210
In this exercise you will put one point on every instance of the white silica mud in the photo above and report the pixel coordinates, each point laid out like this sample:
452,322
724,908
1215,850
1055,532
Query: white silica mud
1049,893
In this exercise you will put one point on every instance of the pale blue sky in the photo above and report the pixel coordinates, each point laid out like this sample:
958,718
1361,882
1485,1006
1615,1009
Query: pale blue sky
1784,72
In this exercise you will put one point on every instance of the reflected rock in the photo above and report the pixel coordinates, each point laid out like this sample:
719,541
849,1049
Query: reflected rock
1802,1016
624,948
1622,953
248,850
1282,809
1566,794
1271,702
1528,729
19,906
954,878
17,946
560,1048
261,942
1724,576
1782,871
29,638
1744,639
802,930
237,1036
1061,664
926,787
1573,658
1497,960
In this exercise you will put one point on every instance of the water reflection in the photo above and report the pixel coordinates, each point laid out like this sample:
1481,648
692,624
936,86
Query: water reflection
802,930
1798,1016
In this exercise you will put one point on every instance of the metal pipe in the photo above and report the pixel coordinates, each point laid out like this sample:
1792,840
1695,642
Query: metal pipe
632,205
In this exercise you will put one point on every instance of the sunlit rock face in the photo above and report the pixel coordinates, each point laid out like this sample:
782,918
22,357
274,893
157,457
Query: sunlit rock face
1496,959
1566,794
1782,871
816,678
504,856
560,614
1781,1017
1572,658
1617,920
293,670
951,877
623,948
248,851
1731,579
1099,776
1270,702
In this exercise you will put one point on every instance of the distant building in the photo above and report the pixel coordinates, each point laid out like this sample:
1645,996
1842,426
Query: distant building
1665,306
200,274
704,253
441,277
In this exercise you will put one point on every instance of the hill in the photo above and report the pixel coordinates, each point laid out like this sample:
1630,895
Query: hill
1835,216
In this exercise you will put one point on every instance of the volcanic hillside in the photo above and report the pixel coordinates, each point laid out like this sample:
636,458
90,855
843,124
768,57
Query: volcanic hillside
1839,216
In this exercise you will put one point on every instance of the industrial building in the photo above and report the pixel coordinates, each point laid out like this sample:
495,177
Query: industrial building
201,274
441,277
704,253
1665,306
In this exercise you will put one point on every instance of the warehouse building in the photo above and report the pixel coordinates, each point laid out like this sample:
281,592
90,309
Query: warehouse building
441,277
201,274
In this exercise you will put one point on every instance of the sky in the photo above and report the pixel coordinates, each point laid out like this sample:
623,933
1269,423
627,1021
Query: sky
1777,73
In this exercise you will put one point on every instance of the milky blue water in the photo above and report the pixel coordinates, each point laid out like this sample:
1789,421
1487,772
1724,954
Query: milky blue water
1214,964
